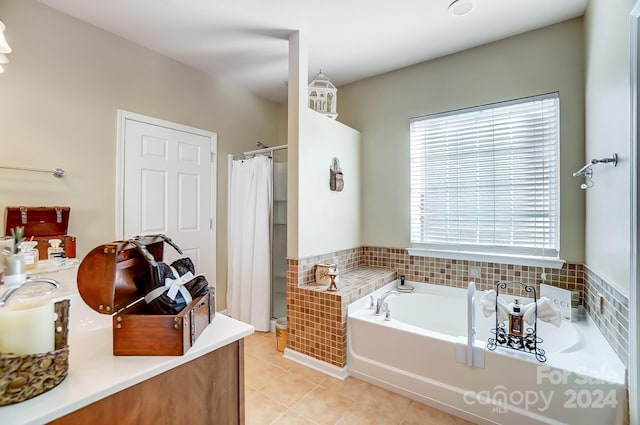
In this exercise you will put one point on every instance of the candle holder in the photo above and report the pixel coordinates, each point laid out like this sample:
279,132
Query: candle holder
332,286
15,274
25,376
15,271
322,273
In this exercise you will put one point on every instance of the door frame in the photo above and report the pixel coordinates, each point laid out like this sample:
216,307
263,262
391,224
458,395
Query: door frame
123,117
634,273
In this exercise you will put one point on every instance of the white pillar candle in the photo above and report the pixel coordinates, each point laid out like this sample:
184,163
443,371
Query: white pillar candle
27,328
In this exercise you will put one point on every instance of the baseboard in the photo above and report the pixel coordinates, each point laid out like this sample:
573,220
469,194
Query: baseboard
315,364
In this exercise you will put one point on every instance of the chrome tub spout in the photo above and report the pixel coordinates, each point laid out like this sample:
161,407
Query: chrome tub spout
380,300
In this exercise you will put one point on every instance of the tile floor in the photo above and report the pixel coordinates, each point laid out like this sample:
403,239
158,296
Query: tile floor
281,392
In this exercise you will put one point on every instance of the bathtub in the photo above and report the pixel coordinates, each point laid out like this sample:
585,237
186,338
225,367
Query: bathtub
414,354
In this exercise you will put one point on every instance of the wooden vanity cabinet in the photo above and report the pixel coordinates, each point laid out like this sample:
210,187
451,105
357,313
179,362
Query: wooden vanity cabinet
208,390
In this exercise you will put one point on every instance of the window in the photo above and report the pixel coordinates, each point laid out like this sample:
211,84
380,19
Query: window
484,182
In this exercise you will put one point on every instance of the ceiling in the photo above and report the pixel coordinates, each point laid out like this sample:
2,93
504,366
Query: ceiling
246,41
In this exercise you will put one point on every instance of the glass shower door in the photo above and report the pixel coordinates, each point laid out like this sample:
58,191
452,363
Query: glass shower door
279,242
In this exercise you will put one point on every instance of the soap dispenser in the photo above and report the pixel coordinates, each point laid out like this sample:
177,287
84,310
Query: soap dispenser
515,319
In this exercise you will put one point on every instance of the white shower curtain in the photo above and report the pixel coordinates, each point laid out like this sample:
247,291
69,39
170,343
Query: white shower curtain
249,241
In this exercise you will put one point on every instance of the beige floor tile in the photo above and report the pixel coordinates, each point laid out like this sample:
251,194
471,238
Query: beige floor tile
259,346
282,392
261,410
263,347
287,388
351,388
322,406
308,373
259,373
281,362
291,418
385,402
268,335
278,359
363,415
419,414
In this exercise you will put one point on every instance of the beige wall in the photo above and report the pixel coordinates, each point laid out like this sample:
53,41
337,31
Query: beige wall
319,220
542,61
607,98
328,220
58,101
296,96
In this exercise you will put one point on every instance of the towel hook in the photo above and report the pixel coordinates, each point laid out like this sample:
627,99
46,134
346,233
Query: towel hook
586,172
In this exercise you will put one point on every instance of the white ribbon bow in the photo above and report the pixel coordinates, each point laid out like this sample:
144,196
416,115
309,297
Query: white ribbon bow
177,285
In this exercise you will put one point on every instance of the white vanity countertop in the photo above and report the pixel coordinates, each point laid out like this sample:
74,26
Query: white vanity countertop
94,372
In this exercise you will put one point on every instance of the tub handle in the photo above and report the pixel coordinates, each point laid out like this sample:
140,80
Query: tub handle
387,311
371,303
471,322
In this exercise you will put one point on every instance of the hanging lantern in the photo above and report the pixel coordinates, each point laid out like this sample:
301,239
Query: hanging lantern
323,96
4,48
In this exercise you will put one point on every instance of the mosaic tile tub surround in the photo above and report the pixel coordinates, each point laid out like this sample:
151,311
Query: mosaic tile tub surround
317,319
440,271
609,309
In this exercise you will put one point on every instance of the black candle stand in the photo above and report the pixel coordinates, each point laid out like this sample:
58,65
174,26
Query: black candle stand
527,343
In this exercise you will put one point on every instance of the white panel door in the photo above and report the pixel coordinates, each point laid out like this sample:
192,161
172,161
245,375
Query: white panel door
167,177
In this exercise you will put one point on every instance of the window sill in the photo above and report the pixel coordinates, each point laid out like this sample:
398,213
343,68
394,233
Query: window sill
519,260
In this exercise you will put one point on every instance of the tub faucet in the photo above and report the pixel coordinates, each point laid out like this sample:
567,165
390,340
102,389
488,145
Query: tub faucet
380,300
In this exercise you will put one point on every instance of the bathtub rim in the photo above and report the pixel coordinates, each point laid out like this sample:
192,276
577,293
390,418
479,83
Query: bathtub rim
608,363
566,338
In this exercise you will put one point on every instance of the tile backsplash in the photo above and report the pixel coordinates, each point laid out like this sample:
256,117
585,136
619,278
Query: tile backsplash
324,336
440,271
609,309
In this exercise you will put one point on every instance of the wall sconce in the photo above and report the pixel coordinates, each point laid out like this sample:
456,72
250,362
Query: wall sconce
4,47
586,172
336,178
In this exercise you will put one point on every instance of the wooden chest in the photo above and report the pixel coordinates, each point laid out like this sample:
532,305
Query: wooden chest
42,224
106,283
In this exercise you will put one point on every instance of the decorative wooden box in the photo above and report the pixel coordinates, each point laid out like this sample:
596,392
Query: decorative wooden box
43,223
106,284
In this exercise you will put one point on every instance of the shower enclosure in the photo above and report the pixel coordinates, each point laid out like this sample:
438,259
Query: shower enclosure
257,236
279,236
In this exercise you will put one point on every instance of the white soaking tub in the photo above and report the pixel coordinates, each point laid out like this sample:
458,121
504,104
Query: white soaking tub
414,354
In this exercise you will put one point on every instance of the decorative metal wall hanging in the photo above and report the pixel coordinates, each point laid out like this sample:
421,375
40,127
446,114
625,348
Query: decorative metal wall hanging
336,179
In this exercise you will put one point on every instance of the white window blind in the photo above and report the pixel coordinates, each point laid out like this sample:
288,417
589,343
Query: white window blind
485,179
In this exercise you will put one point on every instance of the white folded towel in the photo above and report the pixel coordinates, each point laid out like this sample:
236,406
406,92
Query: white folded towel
488,303
547,312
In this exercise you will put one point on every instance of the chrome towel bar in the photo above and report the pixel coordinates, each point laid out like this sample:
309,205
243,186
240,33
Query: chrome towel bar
58,172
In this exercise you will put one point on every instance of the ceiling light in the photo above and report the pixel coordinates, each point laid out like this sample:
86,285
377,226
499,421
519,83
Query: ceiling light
461,7
3,58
